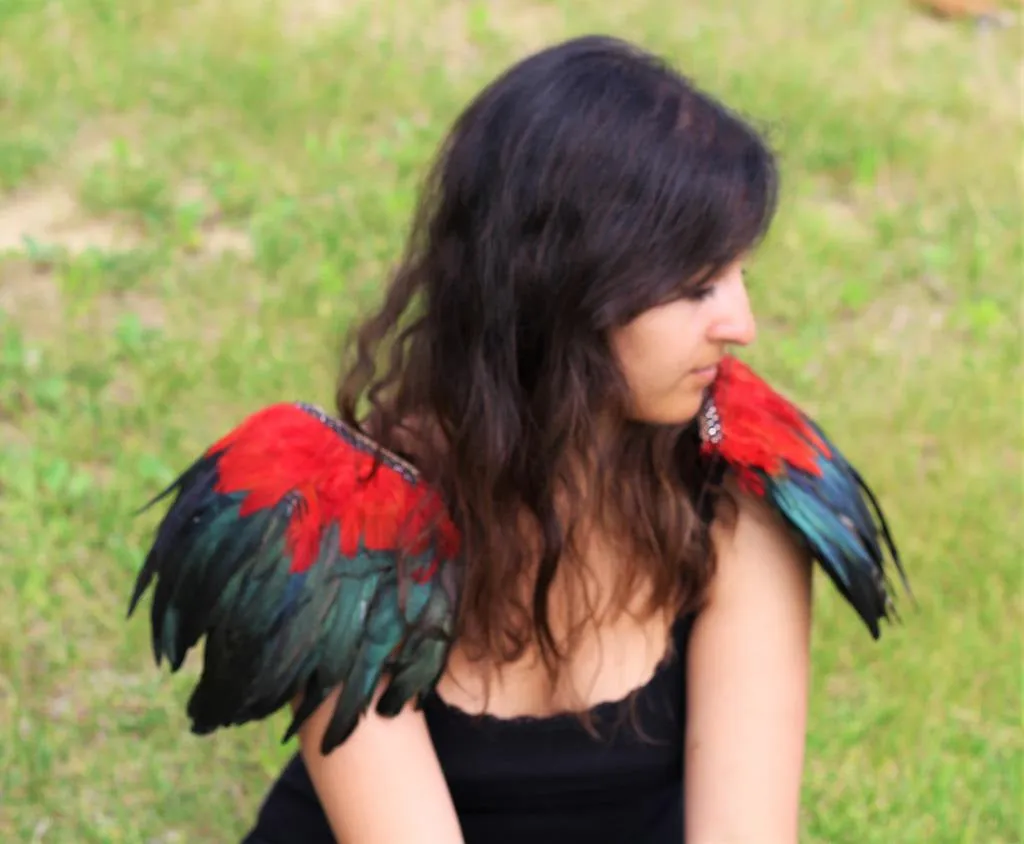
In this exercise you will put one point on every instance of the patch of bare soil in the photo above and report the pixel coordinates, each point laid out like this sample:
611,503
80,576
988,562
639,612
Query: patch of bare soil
220,240
14,438
216,238
51,216
150,309
524,26
843,217
28,291
31,297
308,15
528,25
96,141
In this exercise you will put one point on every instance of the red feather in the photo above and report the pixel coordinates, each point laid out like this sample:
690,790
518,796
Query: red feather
760,429
286,450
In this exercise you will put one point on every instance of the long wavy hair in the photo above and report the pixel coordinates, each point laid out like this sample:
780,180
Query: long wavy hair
586,184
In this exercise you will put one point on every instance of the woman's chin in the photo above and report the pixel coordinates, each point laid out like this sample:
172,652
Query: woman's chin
682,410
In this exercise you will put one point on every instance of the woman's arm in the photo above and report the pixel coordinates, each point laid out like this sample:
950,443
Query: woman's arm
748,681
384,785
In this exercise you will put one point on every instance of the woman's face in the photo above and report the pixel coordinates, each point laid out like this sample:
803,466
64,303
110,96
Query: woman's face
670,353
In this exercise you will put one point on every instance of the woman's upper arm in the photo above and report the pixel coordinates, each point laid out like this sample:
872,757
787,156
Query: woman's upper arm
384,784
748,682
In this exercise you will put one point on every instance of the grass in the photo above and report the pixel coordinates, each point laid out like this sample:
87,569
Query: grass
197,198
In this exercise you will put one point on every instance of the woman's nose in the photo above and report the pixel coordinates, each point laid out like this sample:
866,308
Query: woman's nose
736,323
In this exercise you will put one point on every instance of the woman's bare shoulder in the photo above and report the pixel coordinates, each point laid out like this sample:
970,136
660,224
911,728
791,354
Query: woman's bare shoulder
748,674
746,527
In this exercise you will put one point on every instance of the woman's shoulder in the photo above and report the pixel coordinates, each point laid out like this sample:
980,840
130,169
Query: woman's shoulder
739,514
750,537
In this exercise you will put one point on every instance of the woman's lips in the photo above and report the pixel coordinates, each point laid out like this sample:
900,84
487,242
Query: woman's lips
706,373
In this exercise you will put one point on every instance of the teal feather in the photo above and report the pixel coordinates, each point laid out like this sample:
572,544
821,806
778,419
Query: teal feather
829,512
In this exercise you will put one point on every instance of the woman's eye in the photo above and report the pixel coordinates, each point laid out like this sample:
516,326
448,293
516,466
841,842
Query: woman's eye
701,293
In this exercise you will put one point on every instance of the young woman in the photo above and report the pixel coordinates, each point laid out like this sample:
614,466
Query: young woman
625,653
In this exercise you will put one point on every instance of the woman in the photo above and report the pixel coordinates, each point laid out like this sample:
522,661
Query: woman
629,661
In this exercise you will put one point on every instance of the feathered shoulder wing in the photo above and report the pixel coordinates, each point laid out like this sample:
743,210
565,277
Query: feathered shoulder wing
776,451
308,558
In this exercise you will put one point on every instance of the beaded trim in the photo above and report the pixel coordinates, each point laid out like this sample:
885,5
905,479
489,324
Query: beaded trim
710,423
362,442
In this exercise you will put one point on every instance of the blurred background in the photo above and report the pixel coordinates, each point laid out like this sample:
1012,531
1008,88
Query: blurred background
196,198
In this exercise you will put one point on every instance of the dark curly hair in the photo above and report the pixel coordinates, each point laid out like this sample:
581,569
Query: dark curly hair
585,185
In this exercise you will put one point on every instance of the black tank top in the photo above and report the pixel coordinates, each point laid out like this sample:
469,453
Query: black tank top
539,780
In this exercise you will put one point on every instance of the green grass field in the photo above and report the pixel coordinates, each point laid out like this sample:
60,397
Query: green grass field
195,200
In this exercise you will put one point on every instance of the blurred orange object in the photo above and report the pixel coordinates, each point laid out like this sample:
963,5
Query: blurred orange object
960,8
